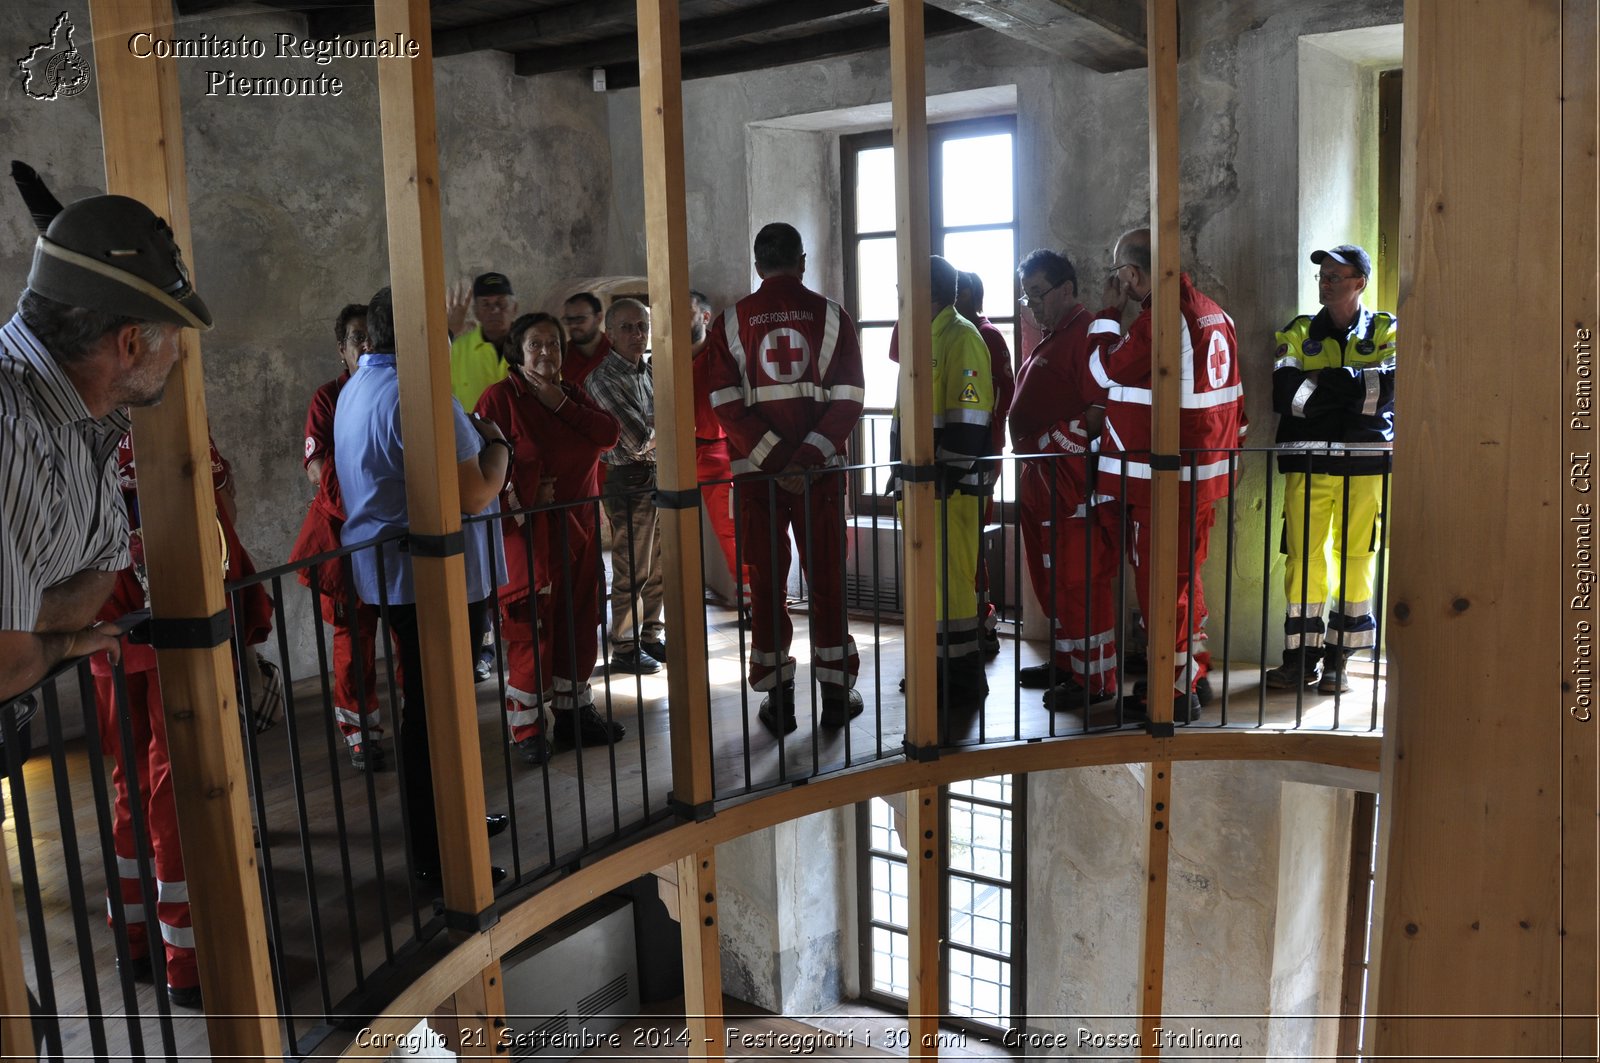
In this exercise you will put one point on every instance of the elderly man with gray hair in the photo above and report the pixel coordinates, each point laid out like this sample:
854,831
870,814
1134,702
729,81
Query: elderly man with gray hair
622,386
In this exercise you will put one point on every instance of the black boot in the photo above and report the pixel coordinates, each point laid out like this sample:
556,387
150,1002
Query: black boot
1334,680
1301,667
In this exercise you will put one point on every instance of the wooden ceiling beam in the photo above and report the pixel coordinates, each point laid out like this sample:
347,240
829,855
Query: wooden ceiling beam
784,53
624,47
582,17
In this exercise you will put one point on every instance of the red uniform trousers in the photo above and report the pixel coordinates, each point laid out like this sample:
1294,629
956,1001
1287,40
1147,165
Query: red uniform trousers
766,513
712,463
355,646
551,655
160,810
1072,564
988,619
1191,601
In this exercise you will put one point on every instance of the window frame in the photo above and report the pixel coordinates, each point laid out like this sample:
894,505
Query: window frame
865,923
870,502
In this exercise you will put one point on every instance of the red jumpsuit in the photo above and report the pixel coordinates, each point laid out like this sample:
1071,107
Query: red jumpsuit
551,647
786,381
1070,547
713,463
1211,422
355,692
147,719
576,366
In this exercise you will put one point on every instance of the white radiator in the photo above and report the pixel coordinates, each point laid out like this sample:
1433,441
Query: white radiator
572,984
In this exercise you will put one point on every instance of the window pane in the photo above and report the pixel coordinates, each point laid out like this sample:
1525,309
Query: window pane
875,190
993,788
877,295
884,837
883,381
992,255
977,180
890,962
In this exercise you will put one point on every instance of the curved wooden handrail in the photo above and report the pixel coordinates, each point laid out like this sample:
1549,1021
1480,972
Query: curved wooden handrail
1360,752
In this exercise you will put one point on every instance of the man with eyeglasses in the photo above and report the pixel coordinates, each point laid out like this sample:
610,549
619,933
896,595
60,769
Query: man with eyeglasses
1068,539
587,342
1333,389
622,385
1211,421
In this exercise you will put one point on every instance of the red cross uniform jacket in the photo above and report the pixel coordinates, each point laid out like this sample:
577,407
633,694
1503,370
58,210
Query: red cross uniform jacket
1054,390
564,443
1211,417
319,532
786,378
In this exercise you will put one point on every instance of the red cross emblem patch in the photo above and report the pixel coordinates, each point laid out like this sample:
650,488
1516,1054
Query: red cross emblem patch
784,355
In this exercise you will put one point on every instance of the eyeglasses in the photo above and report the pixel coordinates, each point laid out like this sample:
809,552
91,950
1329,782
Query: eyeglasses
1335,278
1033,299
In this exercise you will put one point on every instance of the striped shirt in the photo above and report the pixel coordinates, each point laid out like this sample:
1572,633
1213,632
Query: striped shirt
627,392
61,511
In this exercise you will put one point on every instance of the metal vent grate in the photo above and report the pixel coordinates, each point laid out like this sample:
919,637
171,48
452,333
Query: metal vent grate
552,1029
596,1003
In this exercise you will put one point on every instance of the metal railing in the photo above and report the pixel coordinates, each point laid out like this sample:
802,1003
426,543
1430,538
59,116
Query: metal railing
349,922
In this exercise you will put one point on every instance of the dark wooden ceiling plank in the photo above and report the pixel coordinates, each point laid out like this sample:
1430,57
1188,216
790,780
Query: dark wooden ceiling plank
622,48
783,53
582,18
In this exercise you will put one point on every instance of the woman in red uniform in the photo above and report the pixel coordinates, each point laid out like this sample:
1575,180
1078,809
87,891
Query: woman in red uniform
553,556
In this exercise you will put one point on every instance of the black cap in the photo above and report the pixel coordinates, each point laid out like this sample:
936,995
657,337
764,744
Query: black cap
113,254
491,284
1346,255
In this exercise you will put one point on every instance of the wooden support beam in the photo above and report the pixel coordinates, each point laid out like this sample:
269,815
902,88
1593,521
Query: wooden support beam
417,278
1103,35
909,83
1473,806
702,951
141,127
16,1025
739,60
1580,730
1165,368
925,885
623,48
1153,928
667,253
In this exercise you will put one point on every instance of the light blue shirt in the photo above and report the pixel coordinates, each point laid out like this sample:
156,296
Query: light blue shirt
369,454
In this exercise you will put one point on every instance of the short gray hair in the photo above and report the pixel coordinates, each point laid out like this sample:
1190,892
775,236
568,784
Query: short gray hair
70,332
618,304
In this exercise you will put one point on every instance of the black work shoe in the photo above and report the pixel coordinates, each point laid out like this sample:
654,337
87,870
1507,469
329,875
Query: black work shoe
1070,694
367,756
655,648
1334,680
778,701
989,644
496,823
535,749
839,707
1202,690
184,997
633,662
139,969
483,667
1037,676
587,727
1297,670
1186,708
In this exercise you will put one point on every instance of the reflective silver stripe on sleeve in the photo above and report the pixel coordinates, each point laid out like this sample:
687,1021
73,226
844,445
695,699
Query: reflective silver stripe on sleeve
1097,367
980,417
847,393
1369,405
764,448
1301,397
727,396
1102,326
830,339
1288,361
823,444
736,347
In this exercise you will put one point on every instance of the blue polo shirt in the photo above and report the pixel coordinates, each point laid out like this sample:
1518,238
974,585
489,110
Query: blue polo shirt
369,454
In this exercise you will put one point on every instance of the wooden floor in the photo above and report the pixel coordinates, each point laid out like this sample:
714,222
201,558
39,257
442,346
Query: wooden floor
344,913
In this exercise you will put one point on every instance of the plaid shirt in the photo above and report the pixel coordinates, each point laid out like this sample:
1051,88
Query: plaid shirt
628,393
